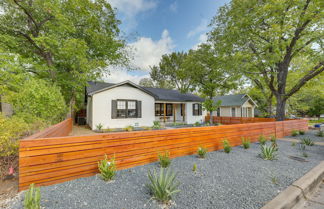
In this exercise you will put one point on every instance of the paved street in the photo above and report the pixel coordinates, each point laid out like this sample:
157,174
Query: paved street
316,201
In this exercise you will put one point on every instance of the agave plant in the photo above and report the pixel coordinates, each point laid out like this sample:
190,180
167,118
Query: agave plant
163,186
32,198
268,152
246,143
307,141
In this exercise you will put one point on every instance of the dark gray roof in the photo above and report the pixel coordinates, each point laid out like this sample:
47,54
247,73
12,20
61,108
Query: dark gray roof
173,95
233,100
157,93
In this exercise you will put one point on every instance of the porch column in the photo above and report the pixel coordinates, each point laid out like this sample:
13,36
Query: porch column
164,112
183,111
174,116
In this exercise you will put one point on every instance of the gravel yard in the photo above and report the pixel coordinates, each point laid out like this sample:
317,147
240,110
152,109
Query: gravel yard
240,179
312,134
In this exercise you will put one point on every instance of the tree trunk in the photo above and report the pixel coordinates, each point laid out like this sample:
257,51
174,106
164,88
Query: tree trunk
211,117
280,109
71,113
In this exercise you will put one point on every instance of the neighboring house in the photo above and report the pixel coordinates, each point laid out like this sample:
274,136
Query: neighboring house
126,103
239,105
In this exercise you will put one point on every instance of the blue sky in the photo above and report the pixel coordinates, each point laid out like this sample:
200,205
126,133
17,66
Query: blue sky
156,27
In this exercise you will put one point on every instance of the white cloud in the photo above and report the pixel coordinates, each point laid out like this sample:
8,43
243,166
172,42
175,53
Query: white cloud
202,39
202,27
148,52
174,6
120,75
131,8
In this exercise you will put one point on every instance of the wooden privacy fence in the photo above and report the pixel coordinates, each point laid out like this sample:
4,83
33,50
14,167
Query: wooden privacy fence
63,128
47,161
238,120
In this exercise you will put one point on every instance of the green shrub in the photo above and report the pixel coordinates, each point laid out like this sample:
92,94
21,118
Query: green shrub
246,143
202,152
129,128
156,125
301,132
274,144
163,186
320,133
294,133
227,146
164,159
99,127
40,99
307,141
194,167
197,123
32,198
268,152
293,144
262,140
107,168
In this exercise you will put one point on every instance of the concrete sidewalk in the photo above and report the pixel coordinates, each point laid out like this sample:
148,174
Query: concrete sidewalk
316,200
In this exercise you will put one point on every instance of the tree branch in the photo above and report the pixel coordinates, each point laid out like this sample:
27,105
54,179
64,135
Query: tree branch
316,71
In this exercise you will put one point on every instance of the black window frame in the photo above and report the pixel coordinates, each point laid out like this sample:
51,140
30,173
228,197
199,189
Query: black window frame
196,111
160,110
126,109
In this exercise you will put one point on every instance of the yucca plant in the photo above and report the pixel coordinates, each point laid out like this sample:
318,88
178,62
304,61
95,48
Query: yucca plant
301,132
194,167
320,133
246,143
32,198
294,133
107,168
262,140
202,152
307,141
163,186
227,146
274,144
164,159
268,152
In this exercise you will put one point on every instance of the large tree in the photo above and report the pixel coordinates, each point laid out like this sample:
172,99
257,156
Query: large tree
66,42
264,38
171,69
208,75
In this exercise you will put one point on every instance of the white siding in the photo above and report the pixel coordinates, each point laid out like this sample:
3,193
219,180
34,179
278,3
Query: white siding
101,110
190,118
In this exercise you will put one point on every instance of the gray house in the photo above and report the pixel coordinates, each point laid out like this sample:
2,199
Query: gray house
238,105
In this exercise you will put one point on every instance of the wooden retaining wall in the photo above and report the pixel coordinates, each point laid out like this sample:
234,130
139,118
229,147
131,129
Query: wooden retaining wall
63,128
47,161
238,120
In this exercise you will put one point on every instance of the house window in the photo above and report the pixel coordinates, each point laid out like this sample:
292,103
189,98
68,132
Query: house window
126,109
159,109
196,109
131,109
218,112
233,112
121,109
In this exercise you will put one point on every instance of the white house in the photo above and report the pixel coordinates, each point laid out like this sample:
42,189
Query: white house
239,105
123,104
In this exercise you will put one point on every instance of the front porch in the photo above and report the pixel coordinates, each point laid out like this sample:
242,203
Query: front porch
170,112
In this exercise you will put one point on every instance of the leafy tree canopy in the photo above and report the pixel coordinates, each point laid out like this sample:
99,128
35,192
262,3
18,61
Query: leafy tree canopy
265,39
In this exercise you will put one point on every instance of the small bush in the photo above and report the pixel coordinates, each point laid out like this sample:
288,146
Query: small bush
246,143
156,125
262,140
202,152
107,168
163,186
32,198
164,159
129,128
194,167
293,144
227,146
320,133
99,127
307,141
197,124
274,144
295,133
301,132
268,152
